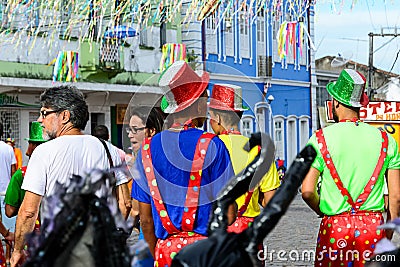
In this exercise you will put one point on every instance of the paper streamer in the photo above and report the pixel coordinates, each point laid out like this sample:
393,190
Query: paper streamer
207,9
172,52
66,67
85,20
291,40
65,17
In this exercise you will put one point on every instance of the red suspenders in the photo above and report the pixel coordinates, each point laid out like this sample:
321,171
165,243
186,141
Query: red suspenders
23,169
192,195
243,208
332,169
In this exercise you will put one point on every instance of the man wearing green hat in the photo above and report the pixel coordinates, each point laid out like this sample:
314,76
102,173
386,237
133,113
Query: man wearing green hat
352,158
15,194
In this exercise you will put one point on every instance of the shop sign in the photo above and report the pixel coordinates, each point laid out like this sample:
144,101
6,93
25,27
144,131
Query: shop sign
375,111
12,101
8,100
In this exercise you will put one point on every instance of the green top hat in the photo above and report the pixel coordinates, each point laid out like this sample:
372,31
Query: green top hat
349,88
36,133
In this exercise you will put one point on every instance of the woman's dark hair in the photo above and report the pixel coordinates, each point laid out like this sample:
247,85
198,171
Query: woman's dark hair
67,97
150,117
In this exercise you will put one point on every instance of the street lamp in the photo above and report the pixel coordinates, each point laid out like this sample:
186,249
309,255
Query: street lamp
270,98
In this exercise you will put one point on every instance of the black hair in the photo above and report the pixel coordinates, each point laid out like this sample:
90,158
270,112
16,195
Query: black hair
355,109
230,117
150,117
67,97
1,129
101,131
192,111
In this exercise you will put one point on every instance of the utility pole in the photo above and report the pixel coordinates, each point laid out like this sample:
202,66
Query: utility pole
370,64
371,68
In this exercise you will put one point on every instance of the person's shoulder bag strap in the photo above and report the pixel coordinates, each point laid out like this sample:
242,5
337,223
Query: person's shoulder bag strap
107,151
114,189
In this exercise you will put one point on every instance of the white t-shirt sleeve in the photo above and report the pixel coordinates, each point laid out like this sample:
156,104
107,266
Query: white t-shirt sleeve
12,155
35,176
119,175
121,178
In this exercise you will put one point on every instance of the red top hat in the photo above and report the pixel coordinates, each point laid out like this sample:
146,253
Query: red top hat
182,86
227,97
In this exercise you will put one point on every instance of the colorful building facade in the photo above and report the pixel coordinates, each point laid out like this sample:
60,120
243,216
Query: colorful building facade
270,57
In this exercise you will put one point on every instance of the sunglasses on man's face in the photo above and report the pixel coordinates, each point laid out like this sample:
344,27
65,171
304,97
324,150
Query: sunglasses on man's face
45,113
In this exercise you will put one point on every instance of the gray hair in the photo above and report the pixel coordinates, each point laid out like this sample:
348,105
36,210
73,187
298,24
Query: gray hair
67,97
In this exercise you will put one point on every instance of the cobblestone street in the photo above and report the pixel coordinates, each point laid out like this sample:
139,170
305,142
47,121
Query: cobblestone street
292,242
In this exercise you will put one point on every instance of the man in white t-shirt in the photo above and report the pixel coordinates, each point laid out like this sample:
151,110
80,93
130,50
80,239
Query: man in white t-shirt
63,116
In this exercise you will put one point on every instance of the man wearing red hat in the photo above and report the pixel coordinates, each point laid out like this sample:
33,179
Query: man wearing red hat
352,160
226,109
179,172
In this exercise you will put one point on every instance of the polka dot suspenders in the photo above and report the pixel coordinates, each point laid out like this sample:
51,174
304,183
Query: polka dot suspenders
247,199
355,206
192,195
23,169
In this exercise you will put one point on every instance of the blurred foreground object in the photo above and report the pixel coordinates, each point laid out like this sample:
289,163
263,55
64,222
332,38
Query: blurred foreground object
386,254
75,217
230,249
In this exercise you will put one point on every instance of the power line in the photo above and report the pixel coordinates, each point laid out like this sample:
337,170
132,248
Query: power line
370,15
379,48
387,22
371,53
397,55
353,39
397,19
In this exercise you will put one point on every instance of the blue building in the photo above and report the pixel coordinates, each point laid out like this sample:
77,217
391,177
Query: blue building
241,46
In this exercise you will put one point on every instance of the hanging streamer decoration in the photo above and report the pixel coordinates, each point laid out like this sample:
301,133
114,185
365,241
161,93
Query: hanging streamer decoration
290,39
41,22
292,30
170,53
66,67
207,9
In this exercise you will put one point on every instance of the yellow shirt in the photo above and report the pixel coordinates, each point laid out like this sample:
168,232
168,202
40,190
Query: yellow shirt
240,159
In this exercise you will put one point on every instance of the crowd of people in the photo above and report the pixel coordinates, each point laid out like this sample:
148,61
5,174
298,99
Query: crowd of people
169,183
